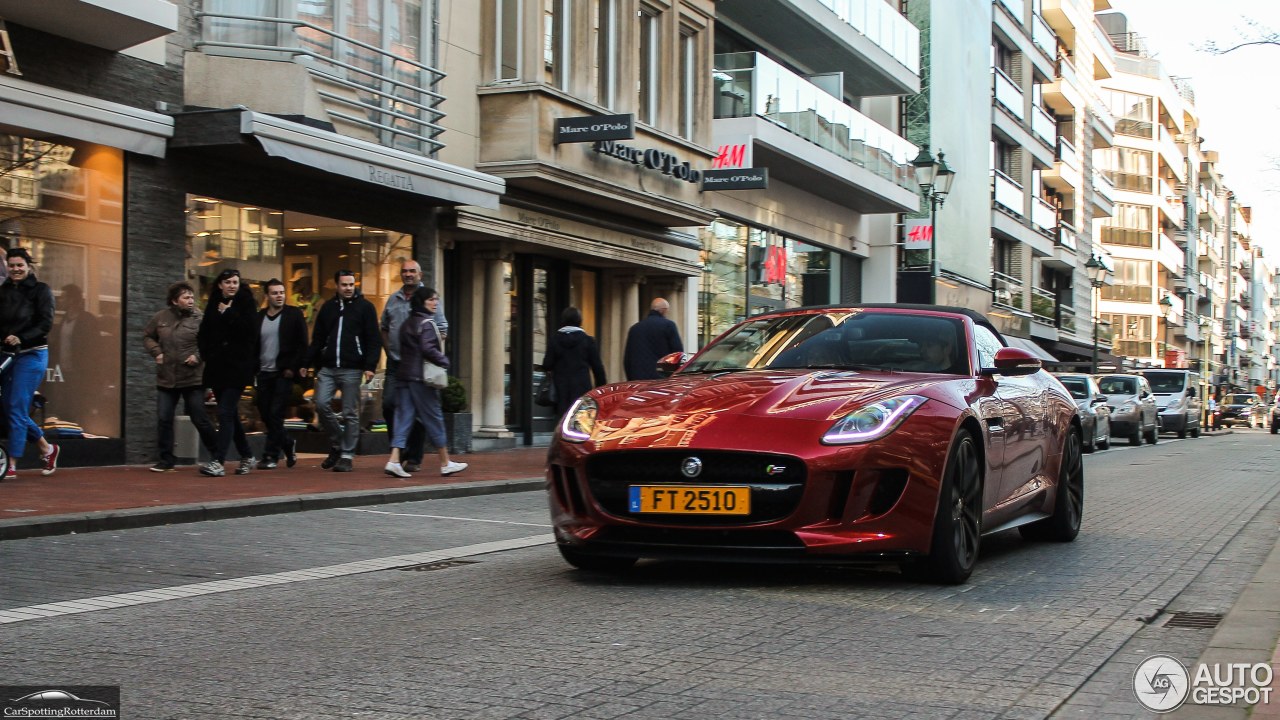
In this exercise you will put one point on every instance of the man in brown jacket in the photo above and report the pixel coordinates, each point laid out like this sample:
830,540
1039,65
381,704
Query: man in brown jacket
170,337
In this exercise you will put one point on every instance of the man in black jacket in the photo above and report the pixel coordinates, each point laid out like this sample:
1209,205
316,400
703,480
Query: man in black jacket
648,341
345,346
282,345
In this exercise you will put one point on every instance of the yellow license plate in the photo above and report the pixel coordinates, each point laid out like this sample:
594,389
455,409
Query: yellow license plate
690,500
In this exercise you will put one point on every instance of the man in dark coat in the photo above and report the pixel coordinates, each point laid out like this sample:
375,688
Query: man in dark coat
649,340
346,346
282,347
573,359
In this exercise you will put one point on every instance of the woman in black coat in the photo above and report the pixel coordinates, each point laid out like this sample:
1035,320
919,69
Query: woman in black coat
572,358
228,342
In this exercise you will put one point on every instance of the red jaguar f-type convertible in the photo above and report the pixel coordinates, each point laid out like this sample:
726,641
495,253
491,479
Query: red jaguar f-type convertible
866,434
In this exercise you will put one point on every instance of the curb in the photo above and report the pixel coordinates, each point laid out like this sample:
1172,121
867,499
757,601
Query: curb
97,521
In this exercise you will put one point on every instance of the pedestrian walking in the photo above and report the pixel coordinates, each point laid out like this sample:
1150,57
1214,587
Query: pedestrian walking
228,343
171,337
282,349
420,340
26,317
394,314
649,341
345,346
572,359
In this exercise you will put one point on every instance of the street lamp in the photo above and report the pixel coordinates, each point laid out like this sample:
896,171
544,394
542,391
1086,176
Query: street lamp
1166,311
935,178
1097,276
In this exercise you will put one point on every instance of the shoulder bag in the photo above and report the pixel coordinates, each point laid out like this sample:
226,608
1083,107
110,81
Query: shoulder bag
432,374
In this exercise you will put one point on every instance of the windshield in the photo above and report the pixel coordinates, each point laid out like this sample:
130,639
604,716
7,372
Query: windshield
1118,385
841,340
1241,399
1166,382
1078,387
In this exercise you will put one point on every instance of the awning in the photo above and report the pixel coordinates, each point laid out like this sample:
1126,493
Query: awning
37,111
1030,347
327,151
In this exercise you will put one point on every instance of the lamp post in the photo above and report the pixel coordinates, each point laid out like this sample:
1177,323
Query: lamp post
934,177
1097,276
1166,312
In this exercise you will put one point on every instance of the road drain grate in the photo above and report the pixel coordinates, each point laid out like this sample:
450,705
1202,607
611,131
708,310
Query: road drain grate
443,564
1194,620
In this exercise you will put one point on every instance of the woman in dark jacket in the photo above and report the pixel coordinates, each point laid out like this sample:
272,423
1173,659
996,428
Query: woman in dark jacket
572,358
415,400
229,347
26,317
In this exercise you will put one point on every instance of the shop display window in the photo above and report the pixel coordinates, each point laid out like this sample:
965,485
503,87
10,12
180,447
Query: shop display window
62,200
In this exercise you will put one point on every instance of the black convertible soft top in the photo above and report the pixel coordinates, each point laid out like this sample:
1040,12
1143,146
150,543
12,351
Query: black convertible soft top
977,317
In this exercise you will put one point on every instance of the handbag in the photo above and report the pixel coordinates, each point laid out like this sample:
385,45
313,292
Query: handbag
432,374
546,393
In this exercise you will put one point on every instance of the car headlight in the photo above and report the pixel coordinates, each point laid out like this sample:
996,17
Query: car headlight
873,421
580,420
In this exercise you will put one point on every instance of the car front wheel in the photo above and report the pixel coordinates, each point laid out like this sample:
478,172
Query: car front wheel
957,526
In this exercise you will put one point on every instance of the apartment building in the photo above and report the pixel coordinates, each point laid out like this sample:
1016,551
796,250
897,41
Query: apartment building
811,91
1147,235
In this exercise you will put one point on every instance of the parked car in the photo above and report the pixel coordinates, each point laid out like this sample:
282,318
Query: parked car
864,434
1091,404
1176,399
1242,409
1133,407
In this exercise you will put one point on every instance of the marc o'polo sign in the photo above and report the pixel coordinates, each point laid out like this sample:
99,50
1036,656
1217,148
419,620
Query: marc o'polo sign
594,127
736,179
650,159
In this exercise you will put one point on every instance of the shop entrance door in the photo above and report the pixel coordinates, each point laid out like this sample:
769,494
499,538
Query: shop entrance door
541,292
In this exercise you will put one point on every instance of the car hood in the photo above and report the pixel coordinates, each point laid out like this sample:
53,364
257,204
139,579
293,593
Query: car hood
792,394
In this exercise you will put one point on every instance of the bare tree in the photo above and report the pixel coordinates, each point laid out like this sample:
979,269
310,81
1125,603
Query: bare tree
1258,34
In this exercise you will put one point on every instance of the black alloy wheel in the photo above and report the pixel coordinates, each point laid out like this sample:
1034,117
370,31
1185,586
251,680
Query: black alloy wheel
595,563
1068,505
957,525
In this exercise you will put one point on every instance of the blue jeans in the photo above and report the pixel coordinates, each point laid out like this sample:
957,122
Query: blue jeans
167,407
417,400
19,383
229,426
344,431
412,450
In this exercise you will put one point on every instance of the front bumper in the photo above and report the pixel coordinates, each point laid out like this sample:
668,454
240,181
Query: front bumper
1174,421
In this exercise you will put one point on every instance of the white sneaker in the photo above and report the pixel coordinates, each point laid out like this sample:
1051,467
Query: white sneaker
452,467
396,470
213,469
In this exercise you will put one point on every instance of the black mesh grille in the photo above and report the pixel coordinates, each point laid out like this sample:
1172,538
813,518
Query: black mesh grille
776,481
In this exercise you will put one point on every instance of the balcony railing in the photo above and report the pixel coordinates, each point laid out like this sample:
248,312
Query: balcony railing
882,25
1044,216
1006,192
1066,318
1042,35
749,84
1016,8
1043,306
1067,154
1007,93
1044,126
1103,186
1067,238
1006,290
387,93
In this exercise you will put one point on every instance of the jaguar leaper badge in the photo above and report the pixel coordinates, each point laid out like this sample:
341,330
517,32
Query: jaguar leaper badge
691,467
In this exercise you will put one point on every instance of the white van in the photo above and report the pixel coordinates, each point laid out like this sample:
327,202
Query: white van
1176,398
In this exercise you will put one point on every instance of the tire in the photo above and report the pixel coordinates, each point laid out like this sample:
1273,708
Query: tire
1182,434
1135,438
595,563
957,525
1068,505
1275,427
1195,431
1153,436
1105,443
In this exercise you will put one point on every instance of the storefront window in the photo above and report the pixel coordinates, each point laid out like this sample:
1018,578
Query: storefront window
63,202
723,301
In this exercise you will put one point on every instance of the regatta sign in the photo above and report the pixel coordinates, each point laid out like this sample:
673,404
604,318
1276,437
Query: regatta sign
650,159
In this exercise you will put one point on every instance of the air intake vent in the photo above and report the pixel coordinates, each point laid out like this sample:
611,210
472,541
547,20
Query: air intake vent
1194,620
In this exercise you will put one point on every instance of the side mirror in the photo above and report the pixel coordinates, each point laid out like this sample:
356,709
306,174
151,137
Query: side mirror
1191,392
1013,362
672,362
1099,399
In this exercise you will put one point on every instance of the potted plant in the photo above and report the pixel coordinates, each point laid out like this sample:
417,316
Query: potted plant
457,421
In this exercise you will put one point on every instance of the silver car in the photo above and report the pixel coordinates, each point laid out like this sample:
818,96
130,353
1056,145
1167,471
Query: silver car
1133,407
1091,406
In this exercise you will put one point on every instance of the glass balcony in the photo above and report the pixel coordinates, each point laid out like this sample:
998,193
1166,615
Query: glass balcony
1044,216
1042,35
1006,192
1103,186
1067,154
1007,291
1007,93
1066,318
1043,306
1016,8
882,25
751,85
1044,126
1067,238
